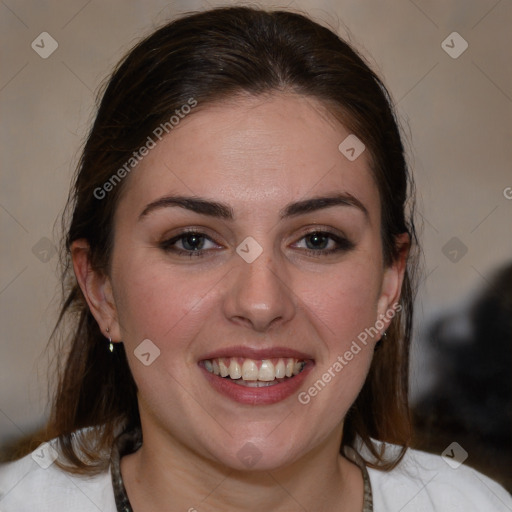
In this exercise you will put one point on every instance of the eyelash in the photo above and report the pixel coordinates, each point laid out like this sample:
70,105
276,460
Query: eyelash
343,244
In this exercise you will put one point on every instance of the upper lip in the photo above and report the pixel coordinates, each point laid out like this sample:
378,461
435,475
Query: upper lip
256,353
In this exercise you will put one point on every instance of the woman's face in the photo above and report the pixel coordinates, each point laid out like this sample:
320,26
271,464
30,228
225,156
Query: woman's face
283,271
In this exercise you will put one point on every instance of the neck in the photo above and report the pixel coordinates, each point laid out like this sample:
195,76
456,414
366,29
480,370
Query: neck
164,475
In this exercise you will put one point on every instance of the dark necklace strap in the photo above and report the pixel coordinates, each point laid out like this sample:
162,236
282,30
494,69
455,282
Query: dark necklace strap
130,441
352,455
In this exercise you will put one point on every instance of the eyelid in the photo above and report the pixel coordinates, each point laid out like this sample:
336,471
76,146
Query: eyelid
189,230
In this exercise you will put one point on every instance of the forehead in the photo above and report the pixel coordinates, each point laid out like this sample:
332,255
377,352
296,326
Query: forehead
253,152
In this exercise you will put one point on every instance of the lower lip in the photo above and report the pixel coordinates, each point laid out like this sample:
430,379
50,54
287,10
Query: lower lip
257,396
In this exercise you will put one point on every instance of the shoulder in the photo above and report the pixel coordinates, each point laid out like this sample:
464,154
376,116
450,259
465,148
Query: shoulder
426,482
35,482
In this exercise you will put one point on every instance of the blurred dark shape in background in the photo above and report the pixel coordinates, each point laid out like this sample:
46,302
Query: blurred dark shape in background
471,402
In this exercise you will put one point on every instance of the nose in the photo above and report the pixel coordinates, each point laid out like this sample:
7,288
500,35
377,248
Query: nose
259,295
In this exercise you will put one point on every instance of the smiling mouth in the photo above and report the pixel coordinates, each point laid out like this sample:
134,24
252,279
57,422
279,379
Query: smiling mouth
255,373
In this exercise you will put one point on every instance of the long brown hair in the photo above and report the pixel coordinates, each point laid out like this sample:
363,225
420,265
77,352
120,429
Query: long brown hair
211,56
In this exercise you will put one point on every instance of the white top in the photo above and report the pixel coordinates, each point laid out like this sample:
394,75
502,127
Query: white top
421,482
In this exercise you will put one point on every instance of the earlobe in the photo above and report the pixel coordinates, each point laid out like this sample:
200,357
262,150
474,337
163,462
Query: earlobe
97,290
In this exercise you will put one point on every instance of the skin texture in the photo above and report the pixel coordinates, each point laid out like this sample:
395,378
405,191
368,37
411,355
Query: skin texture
256,155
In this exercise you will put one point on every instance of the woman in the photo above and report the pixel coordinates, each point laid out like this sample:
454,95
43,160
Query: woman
242,251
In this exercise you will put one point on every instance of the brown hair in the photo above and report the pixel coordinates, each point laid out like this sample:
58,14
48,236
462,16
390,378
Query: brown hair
211,56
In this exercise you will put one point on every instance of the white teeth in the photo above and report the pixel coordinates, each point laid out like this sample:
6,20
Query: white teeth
280,369
289,367
224,370
266,373
250,370
235,372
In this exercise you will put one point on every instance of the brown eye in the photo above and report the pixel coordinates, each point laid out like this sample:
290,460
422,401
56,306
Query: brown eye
190,243
193,242
317,241
323,242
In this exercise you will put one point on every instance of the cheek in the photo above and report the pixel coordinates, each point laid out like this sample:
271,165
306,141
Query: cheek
343,309
168,309
153,301
344,303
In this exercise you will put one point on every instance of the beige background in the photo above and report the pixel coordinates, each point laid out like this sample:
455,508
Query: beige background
456,114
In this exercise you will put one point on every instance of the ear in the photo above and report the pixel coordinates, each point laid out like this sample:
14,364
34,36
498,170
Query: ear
392,280
97,290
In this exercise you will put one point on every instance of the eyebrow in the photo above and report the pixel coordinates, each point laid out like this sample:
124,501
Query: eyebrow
319,203
224,211
195,204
